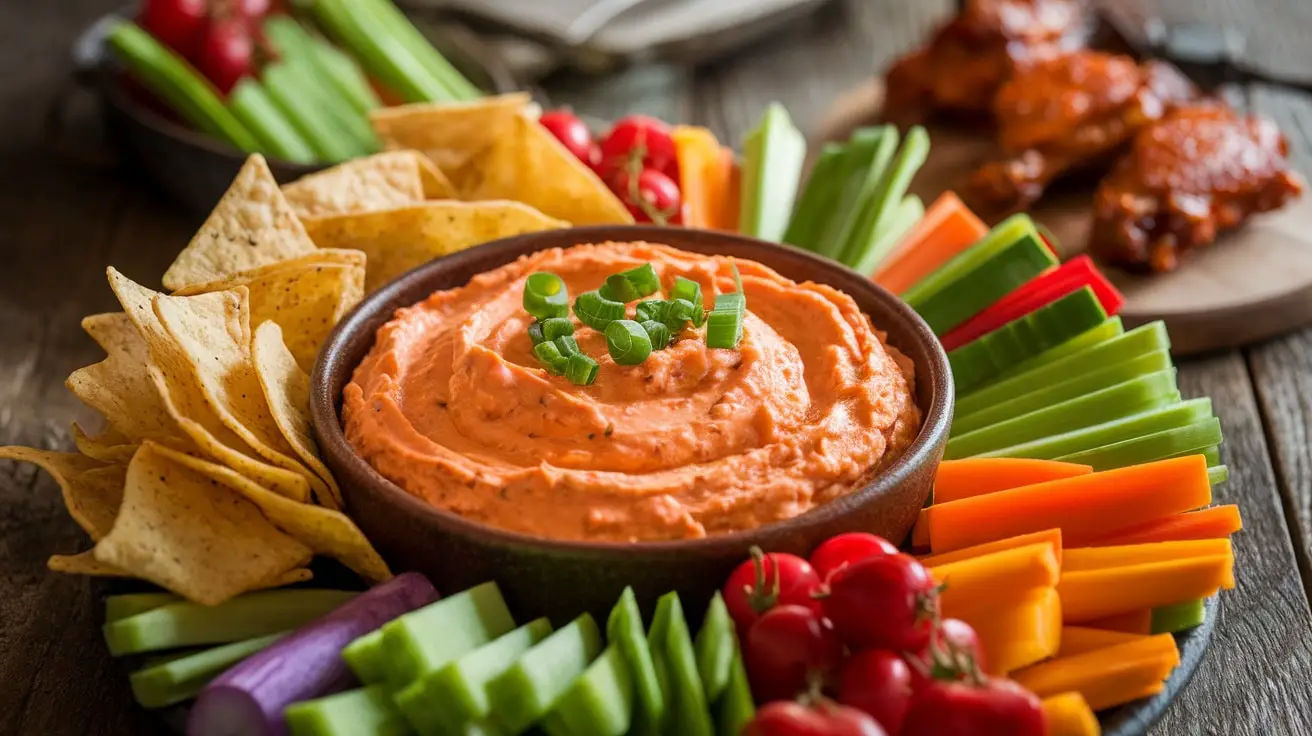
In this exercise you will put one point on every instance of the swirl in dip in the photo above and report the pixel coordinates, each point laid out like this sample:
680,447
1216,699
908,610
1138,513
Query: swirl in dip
452,406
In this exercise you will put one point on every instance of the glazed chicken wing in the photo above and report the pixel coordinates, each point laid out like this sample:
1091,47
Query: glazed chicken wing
1070,112
1200,170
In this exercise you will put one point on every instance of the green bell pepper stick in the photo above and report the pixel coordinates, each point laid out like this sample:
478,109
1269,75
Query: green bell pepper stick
252,105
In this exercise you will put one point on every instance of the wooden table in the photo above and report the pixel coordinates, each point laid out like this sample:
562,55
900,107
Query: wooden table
61,224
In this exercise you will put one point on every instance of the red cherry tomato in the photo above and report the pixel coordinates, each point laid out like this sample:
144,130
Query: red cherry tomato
885,602
846,549
252,9
877,682
634,131
655,198
953,652
174,23
765,581
787,649
994,707
225,52
785,718
572,133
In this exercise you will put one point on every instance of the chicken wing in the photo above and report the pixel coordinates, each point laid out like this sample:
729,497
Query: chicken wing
1070,112
1200,170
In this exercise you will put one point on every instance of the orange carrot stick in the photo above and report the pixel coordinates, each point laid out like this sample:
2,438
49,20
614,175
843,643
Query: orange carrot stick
1089,595
996,579
1081,639
1069,714
1105,677
920,532
697,152
1210,523
1015,636
1094,558
1084,507
1131,622
1047,536
969,477
723,181
947,229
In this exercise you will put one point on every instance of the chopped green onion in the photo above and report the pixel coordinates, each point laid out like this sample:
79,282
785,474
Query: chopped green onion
627,342
644,279
567,345
724,328
699,315
556,327
617,288
596,311
581,370
550,357
734,302
536,333
545,295
680,311
688,290
658,333
737,277
651,309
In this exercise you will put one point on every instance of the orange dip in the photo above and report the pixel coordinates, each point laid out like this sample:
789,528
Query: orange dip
452,406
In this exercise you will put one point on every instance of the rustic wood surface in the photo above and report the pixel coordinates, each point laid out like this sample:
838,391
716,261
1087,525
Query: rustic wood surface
61,223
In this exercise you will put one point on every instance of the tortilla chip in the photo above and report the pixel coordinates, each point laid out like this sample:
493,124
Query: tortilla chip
448,133
92,490
378,182
252,225
287,392
184,532
529,165
396,241
110,446
306,296
84,563
118,388
327,532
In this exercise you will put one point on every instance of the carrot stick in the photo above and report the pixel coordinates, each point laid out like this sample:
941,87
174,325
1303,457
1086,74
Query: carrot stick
724,181
1217,521
1081,639
969,477
1069,714
947,229
1105,677
1138,622
697,152
993,579
1084,507
1095,558
920,532
1047,536
1015,636
1093,594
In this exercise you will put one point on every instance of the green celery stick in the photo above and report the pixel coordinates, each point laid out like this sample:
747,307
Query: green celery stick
715,646
988,356
1078,385
287,89
357,28
869,154
179,85
624,629
1088,438
1188,440
347,76
1115,402
1213,455
403,32
878,208
180,679
1218,474
1179,617
910,211
130,604
368,711
773,154
816,202
599,703
427,639
296,47
244,617
278,137
527,691
673,648
736,708
1103,332
365,658
1099,352
1011,254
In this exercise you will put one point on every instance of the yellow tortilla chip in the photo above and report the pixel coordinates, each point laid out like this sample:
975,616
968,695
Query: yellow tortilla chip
287,392
118,388
327,532
181,531
84,563
252,225
92,490
396,241
449,133
110,446
529,165
378,182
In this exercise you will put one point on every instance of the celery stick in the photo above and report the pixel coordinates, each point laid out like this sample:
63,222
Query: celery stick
368,39
880,205
1050,394
347,76
298,53
433,636
366,659
869,153
367,711
1088,438
910,211
130,604
402,31
773,154
1218,474
1115,402
278,137
816,201
599,703
1188,440
1103,332
1002,235
521,695
1178,617
1213,455
988,356
182,678
244,617
300,106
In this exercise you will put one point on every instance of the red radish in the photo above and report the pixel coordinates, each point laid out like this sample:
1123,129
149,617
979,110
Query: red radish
877,682
786,718
765,581
846,549
645,135
788,650
174,23
953,653
572,133
652,197
976,707
226,51
886,602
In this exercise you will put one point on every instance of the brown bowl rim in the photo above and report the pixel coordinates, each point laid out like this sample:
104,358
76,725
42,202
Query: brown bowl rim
326,422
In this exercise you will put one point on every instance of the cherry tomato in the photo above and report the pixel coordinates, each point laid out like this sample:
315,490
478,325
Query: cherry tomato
655,198
877,682
886,602
225,52
787,718
845,549
252,9
993,707
787,650
765,581
953,652
634,131
174,23
572,133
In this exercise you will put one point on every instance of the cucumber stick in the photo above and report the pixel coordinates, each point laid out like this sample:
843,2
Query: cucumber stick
773,154
300,106
355,26
403,32
1103,332
817,199
179,85
879,208
1217,474
1115,402
1179,617
1213,455
988,356
869,154
1068,444
1190,439
249,101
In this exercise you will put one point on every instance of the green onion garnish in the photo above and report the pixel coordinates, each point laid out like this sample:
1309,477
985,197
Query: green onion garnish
680,311
550,357
567,345
651,309
617,288
535,332
688,290
557,327
627,342
581,370
644,280
596,311
545,295
658,333
731,302
724,329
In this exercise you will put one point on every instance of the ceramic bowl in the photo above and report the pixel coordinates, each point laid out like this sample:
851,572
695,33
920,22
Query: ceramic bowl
559,578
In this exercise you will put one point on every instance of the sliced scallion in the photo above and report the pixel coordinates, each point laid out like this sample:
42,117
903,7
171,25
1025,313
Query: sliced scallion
545,295
644,279
724,328
680,311
535,333
567,345
618,288
596,311
651,309
687,289
627,342
551,358
556,327
658,333
581,370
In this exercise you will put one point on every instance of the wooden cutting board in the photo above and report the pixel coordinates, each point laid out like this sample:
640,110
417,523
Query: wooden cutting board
1255,282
